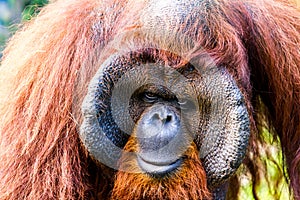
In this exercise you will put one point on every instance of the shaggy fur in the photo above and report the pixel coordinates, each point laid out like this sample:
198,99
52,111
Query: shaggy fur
41,156
182,184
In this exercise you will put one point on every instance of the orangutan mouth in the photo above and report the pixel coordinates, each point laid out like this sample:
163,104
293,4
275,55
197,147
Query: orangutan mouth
157,168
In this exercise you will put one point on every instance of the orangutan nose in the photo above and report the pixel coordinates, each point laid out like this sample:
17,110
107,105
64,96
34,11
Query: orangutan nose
160,125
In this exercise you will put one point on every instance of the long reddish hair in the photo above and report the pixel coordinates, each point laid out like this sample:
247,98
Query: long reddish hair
40,151
186,184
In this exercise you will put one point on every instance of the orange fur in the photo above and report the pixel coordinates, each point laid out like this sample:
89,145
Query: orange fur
182,184
40,151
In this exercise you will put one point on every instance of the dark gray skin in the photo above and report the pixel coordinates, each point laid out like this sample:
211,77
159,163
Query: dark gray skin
169,109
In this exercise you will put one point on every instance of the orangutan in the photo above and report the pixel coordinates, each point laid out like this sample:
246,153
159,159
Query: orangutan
148,99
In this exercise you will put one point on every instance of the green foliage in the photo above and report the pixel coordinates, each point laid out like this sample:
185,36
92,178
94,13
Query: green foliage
271,182
12,12
32,8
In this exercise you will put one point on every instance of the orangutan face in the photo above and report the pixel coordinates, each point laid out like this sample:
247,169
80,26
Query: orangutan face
156,120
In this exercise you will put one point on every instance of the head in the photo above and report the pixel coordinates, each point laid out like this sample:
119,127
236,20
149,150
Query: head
172,124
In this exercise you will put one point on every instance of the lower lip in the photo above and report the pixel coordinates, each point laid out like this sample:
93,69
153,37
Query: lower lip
158,168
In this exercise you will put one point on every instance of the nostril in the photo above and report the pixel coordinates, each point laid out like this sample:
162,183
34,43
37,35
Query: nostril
162,118
162,115
168,119
156,116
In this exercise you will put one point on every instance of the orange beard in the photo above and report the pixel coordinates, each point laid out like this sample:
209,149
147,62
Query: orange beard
187,182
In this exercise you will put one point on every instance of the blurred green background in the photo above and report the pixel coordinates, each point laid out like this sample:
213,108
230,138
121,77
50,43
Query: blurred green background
12,12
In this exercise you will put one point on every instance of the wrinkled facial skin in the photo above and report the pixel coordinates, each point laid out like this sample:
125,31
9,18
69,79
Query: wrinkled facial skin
151,102
165,110
161,130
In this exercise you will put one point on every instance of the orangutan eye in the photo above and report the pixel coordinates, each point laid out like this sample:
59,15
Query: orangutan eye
190,68
150,97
